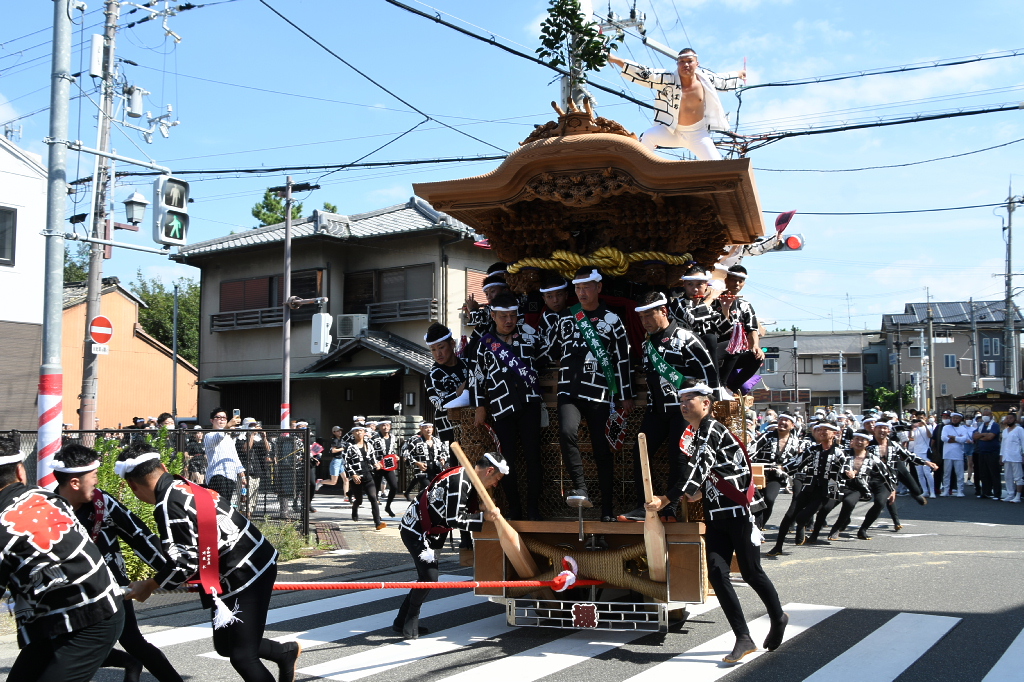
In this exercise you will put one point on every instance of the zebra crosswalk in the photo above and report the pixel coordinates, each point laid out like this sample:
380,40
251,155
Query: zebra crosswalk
470,639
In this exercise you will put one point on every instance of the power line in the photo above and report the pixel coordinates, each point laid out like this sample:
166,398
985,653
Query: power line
894,165
916,210
343,61
506,48
905,68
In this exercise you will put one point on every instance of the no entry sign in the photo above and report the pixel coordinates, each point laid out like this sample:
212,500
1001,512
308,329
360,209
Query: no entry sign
101,329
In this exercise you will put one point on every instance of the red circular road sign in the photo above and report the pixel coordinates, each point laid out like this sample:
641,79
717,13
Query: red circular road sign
101,329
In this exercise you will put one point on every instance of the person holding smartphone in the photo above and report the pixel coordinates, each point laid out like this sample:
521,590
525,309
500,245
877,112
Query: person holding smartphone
224,467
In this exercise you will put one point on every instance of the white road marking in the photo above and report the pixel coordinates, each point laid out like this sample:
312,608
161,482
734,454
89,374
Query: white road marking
1009,666
883,655
704,663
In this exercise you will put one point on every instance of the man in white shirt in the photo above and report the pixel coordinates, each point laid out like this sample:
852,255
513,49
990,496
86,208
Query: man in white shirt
224,466
954,436
920,441
1011,449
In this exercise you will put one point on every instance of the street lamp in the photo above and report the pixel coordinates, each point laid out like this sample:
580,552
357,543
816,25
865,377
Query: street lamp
135,208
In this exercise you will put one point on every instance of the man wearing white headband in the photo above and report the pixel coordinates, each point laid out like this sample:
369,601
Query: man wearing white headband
246,564
449,502
448,377
824,466
686,103
713,467
671,354
386,453
954,436
775,449
590,346
504,386
425,456
739,346
555,291
107,520
66,630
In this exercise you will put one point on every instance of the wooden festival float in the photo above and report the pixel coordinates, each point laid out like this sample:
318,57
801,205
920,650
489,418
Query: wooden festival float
583,191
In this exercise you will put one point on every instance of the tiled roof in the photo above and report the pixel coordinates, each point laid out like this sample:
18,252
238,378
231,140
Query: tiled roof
412,216
385,344
75,292
985,313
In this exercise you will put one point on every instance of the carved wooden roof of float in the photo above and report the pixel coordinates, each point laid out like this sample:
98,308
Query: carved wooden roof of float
584,183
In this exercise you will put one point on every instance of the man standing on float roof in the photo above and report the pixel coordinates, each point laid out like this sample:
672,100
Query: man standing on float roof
687,103
590,347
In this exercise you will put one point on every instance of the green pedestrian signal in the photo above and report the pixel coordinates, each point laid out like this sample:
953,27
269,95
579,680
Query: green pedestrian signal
170,214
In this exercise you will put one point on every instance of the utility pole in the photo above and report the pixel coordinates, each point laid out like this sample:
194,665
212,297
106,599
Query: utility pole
842,404
51,371
796,367
174,352
285,192
932,403
974,346
90,364
899,371
1009,359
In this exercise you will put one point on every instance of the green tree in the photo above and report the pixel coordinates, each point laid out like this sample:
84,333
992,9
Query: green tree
157,319
270,211
571,41
885,399
330,208
76,265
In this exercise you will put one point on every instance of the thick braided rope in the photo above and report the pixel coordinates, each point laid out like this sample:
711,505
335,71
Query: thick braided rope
454,585
610,260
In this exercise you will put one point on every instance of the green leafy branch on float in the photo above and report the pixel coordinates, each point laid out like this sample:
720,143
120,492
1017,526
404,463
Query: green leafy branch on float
569,40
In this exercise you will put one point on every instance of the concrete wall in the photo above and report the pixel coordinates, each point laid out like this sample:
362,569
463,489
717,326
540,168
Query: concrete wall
23,188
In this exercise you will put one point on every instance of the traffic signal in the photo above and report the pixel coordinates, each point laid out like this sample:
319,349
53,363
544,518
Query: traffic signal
321,338
790,242
170,211
769,349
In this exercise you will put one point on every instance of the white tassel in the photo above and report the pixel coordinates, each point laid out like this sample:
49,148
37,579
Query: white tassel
222,615
756,536
427,556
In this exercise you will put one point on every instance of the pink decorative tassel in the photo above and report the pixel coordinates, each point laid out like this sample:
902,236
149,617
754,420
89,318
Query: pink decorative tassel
738,342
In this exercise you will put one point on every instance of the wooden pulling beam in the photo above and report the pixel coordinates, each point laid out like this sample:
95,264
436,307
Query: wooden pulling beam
511,543
654,531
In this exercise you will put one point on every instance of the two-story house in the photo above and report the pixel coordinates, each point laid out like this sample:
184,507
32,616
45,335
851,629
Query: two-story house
967,341
387,275
22,249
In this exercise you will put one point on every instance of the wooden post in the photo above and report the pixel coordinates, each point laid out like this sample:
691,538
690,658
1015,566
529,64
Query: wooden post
511,543
654,531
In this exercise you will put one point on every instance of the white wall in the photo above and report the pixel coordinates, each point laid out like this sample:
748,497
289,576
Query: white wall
23,188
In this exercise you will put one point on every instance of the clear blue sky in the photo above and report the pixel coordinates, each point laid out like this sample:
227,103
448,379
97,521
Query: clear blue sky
322,112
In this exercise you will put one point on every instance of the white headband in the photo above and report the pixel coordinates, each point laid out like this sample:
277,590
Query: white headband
59,466
422,424
826,425
124,468
357,428
561,286
662,300
594,276
703,277
955,414
495,284
737,275
512,309
703,389
500,466
437,341
12,459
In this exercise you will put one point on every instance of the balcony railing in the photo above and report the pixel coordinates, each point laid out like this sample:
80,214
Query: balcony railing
402,311
246,319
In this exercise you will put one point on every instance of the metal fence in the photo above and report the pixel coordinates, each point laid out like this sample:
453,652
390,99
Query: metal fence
280,471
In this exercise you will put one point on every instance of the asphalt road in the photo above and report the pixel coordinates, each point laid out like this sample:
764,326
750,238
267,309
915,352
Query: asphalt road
940,600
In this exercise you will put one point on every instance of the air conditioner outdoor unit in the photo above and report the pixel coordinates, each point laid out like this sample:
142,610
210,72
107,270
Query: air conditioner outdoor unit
351,326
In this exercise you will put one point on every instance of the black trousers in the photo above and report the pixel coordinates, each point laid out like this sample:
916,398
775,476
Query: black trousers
243,642
797,484
880,493
521,428
141,650
659,427
224,486
773,484
367,488
711,343
571,411
408,619
908,479
986,473
70,657
850,500
419,480
392,478
810,499
724,538
736,368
